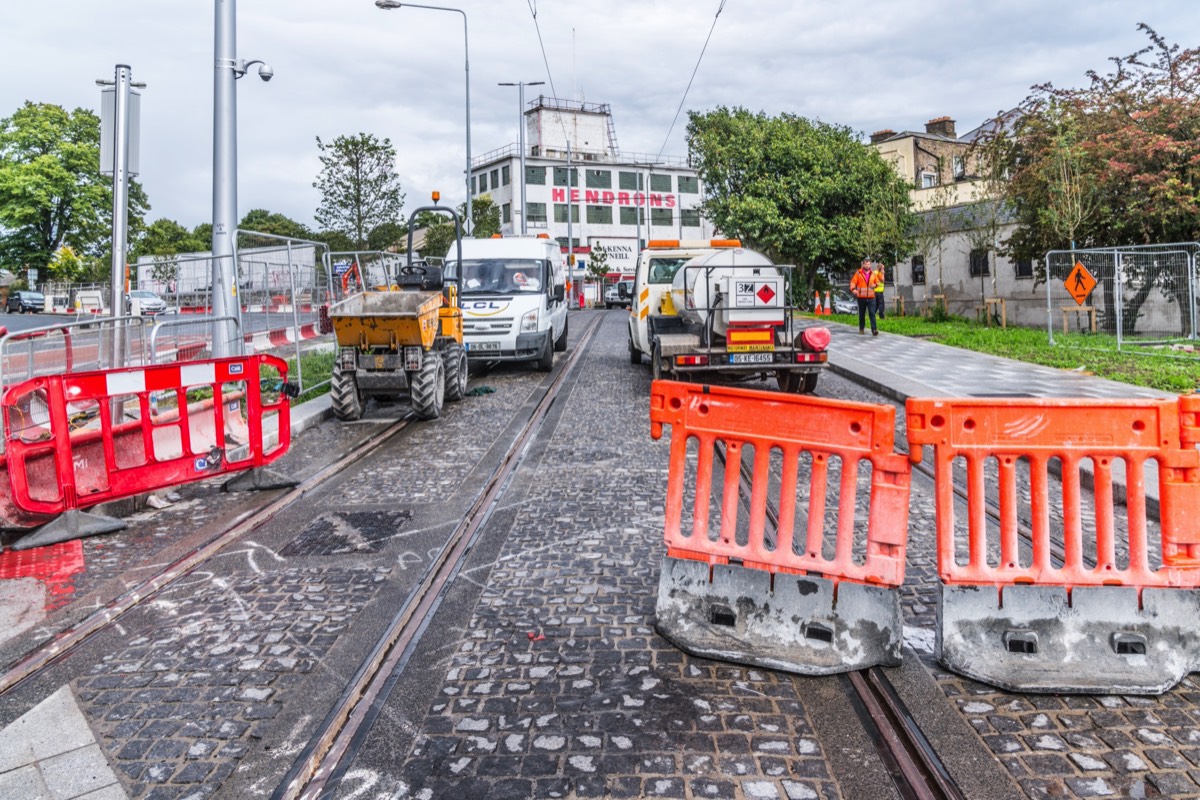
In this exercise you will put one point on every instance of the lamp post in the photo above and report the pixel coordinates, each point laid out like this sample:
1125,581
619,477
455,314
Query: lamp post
227,69
387,5
521,139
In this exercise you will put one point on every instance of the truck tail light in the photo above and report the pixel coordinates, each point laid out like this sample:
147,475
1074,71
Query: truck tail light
691,361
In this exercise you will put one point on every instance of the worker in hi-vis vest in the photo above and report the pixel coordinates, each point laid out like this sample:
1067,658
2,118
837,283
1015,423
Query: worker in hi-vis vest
878,272
862,286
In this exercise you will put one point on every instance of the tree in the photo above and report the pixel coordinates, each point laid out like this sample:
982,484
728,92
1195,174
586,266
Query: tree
597,268
51,190
485,215
166,237
358,184
388,236
260,220
796,189
66,266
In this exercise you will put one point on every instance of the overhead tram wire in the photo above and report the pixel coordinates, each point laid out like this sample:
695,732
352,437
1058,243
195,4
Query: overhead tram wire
696,69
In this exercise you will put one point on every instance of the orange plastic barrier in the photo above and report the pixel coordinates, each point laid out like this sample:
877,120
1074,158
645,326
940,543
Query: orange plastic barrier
791,425
1039,431
76,440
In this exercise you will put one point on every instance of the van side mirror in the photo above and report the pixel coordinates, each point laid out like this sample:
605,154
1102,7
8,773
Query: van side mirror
560,293
622,291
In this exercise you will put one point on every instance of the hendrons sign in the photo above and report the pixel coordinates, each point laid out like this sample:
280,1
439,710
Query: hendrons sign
596,197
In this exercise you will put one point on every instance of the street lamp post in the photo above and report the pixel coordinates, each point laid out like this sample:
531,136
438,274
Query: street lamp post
224,223
521,132
468,223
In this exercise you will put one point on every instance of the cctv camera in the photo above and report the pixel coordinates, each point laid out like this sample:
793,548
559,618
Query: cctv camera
265,72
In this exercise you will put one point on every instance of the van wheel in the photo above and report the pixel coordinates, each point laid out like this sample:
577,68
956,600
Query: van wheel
560,344
635,355
546,362
427,387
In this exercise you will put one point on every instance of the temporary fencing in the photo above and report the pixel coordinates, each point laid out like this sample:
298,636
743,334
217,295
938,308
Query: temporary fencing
76,440
1110,610
796,591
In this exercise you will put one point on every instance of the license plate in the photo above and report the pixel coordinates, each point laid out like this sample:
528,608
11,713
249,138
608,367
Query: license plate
751,348
752,358
484,346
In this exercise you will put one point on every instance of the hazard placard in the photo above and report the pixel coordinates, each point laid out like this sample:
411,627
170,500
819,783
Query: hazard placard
1080,283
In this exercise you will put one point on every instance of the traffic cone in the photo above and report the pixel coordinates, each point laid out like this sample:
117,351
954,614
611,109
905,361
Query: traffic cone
817,304
828,307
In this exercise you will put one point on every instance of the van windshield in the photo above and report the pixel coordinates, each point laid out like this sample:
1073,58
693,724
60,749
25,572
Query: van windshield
501,275
663,268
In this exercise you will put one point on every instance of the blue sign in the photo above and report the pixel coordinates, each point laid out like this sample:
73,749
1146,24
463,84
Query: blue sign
341,267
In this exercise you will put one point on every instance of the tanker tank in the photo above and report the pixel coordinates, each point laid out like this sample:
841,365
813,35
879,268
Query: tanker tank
729,285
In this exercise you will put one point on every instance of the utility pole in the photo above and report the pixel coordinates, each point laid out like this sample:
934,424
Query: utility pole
521,139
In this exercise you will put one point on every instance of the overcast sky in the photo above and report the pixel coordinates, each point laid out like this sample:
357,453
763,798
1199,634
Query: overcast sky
344,67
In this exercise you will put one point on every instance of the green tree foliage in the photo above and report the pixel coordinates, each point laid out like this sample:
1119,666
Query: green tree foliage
485,216
166,237
798,190
51,190
359,186
260,220
1116,162
388,236
597,268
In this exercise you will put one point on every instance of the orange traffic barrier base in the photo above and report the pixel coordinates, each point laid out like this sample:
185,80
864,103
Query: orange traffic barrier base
798,623
1096,640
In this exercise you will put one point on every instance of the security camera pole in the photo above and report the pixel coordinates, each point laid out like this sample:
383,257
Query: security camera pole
225,303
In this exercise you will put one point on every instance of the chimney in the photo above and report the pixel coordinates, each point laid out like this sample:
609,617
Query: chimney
942,126
879,136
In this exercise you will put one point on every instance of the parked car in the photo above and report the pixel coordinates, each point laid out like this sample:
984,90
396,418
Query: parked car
842,302
619,294
148,303
24,300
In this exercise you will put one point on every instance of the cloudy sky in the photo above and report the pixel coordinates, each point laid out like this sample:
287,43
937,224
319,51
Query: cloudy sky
344,67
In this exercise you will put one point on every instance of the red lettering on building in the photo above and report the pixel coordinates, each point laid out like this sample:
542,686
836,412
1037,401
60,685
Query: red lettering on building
574,195
591,196
639,199
655,200
607,198
670,201
558,195
622,198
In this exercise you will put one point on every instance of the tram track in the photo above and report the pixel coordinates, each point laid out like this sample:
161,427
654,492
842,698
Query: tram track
317,770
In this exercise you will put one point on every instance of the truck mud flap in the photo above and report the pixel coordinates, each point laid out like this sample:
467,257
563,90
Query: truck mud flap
807,625
1098,641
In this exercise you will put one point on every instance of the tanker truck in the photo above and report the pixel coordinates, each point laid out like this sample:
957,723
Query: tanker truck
713,308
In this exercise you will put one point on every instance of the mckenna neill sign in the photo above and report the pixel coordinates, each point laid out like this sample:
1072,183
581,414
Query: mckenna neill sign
596,197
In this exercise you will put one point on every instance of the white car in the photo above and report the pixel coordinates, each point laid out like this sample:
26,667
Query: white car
140,302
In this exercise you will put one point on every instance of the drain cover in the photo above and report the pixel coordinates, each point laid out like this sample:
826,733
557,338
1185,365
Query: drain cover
346,532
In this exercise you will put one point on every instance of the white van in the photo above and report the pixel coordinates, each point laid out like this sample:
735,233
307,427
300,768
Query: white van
513,298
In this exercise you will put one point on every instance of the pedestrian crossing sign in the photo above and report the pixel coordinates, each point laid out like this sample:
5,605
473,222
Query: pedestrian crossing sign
1080,283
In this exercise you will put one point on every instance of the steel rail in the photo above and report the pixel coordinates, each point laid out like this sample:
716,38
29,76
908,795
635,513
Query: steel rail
54,649
910,758
316,772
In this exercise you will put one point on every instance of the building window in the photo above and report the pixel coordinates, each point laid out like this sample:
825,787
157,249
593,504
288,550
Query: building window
506,213
960,168
979,263
473,190
689,217
689,184
599,215
562,242
482,182
495,179
598,179
505,176
535,212
661,217
660,183
1023,267
928,179
918,270
629,181
560,176
560,212
629,215
535,176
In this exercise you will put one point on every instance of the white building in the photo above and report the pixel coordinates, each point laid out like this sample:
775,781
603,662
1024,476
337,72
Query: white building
614,199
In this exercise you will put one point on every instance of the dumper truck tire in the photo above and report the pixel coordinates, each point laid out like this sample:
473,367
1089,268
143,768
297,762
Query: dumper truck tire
428,387
344,397
456,372
809,384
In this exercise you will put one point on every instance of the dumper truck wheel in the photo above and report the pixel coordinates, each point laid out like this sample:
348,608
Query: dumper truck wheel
427,387
810,382
344,397
560,344
456,372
